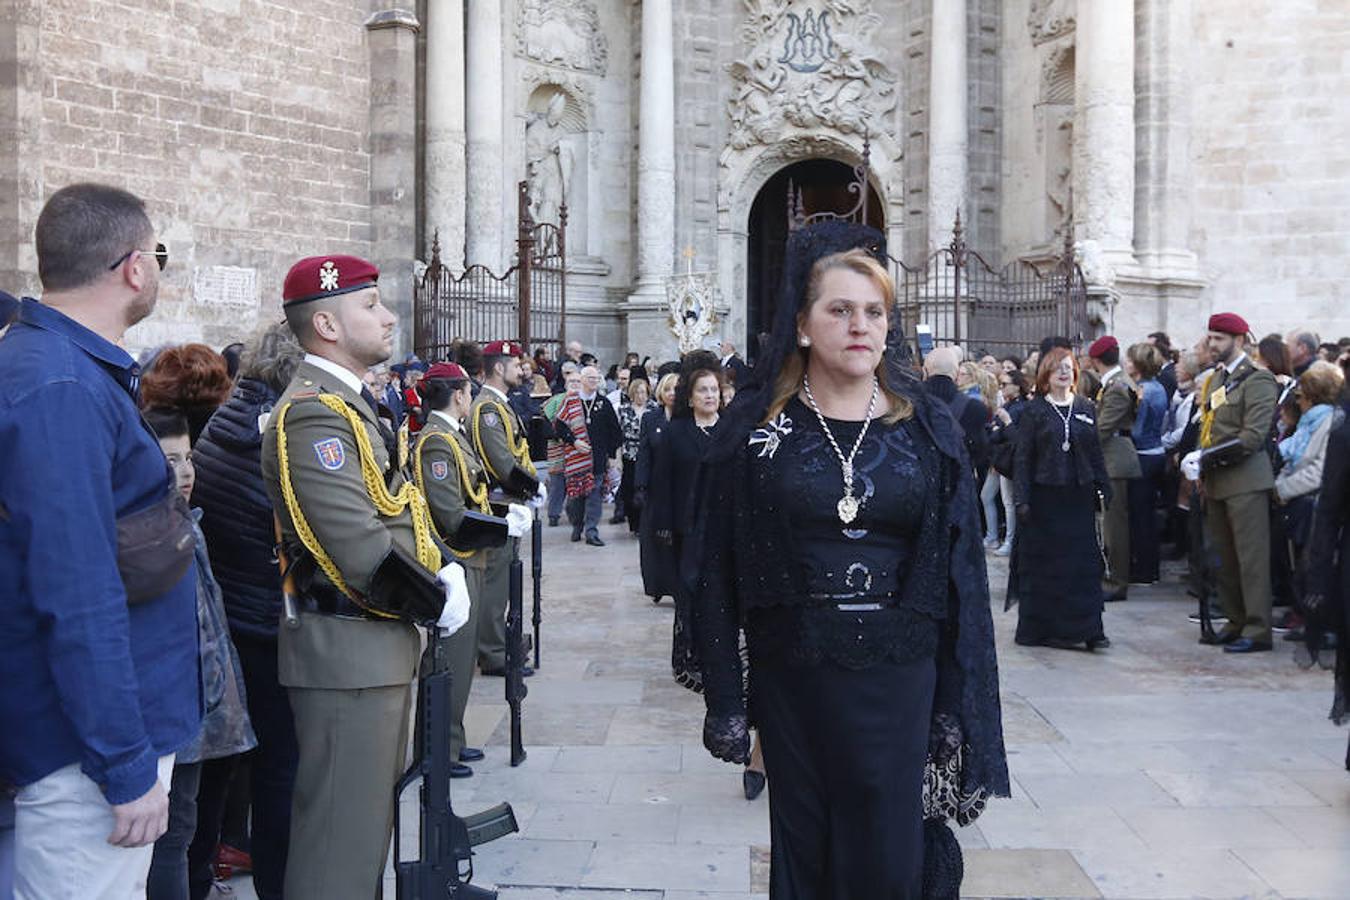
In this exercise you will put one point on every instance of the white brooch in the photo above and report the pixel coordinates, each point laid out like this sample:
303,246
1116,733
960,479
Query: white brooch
1083,417
328,276
771,435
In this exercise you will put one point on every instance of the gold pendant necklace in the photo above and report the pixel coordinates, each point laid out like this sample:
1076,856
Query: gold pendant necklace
848,506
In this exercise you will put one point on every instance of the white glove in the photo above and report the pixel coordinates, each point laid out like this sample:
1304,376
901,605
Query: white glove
1190,465
542,493
519,520
455,613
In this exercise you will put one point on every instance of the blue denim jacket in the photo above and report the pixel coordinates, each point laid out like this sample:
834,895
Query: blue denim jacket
1148,421
83,677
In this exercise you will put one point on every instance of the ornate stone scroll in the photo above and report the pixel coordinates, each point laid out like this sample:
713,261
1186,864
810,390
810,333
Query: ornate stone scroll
562,33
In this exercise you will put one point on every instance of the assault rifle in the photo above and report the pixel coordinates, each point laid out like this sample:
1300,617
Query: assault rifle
537,571
444,866
515,649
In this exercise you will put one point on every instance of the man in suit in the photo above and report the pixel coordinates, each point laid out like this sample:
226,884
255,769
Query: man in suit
353,545
939,368
500,440
1116,401
733,365
1237,406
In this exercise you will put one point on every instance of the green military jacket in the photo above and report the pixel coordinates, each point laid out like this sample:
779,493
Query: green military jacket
1243,407
442,482
498,437
1115,418
331,651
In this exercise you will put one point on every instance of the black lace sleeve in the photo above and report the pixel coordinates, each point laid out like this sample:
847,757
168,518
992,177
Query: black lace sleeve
1024,458
716,612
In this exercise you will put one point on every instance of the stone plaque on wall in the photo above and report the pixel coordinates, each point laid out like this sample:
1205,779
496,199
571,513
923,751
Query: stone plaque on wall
228,286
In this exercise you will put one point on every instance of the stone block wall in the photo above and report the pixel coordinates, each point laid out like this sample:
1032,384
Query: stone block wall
242,123
1271,161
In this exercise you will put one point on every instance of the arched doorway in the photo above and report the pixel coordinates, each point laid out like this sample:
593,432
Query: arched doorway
823,186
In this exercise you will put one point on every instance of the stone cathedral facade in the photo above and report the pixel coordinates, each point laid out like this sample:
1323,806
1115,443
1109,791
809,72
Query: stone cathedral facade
1195,153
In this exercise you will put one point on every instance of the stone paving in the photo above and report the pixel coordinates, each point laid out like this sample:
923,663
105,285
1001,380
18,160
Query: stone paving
1158,768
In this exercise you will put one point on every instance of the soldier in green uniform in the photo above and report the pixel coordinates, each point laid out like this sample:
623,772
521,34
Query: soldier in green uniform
1237,409
1116,401
359,540
453,480
499,438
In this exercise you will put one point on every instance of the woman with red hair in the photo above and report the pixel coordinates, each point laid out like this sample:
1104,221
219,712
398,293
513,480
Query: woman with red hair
190,378
1060,482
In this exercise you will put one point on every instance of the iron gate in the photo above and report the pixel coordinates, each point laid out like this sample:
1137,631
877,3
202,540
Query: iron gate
965,301
527,302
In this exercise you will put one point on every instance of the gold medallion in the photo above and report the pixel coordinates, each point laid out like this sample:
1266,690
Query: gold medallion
848,509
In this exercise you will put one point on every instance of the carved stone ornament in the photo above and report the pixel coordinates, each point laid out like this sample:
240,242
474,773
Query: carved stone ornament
693,308
809,64
1050,19
562,33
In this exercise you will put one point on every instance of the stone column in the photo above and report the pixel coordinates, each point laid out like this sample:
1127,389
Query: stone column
483,127
656,160
393,162
445,129
1103,136
948,100
1162,195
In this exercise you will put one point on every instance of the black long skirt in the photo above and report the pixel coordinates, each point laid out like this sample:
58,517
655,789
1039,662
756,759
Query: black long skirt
1056,576
657,559
845,752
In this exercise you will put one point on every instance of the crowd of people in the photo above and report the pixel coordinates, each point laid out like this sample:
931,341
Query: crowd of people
212,673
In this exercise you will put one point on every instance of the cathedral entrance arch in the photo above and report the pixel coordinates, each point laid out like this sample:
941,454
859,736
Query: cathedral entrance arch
801,189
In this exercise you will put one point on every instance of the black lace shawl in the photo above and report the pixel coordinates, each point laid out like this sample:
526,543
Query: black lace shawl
739,556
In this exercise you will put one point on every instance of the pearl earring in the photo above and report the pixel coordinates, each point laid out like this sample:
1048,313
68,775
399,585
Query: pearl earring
804,341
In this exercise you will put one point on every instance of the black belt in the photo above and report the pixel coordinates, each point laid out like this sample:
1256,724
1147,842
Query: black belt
332,602
859,603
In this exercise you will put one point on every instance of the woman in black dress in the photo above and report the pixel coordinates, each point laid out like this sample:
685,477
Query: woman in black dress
840,533
698,406
656,557
1060,482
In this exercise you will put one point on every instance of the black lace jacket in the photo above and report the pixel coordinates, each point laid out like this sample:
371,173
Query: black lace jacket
751,561
1040,455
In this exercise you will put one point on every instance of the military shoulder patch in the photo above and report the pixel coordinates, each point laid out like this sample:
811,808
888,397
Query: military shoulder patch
491,419
439,469
330,453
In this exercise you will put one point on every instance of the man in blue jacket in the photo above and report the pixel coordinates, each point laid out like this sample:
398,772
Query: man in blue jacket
99,682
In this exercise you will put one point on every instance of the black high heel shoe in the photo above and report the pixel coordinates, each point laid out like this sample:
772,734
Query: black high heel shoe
753,783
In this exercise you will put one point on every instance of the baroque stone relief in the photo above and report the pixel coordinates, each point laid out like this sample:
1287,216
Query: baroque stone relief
809,64
562,33
554,123
1049,19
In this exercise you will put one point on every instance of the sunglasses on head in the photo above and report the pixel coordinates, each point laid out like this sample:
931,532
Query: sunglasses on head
160,253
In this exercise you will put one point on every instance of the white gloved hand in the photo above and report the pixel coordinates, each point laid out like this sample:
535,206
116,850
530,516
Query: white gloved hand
519,520
1190,465
541,494
455,613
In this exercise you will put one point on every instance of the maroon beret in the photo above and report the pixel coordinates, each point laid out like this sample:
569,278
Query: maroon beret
504,348
447,370
1229,323
316,277
1102,345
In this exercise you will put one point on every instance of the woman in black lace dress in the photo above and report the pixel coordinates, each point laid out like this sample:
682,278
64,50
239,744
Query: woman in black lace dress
841,535
1058,478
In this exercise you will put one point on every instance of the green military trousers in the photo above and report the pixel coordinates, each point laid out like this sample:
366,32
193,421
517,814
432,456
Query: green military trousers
1116,536
1239,529
352,748
492,615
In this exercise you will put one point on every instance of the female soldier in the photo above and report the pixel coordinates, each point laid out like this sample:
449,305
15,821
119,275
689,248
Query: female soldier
453,480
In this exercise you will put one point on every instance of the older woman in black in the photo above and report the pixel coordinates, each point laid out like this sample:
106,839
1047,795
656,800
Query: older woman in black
1059,481
841,535
655,555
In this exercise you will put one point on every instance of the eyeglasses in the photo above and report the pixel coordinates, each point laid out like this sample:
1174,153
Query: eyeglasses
160,253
